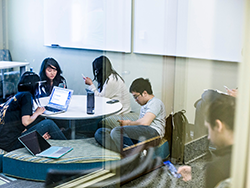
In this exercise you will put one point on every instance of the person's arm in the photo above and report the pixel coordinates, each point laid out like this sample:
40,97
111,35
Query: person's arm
109,88
232,92
46,136
145,120
186,172
62,83
92,87
27,119
88,81
189,173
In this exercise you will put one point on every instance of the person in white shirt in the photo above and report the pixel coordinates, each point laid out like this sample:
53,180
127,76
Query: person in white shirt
110,83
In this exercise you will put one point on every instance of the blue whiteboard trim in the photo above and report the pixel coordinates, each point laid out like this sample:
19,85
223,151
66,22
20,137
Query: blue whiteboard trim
86,49
55,45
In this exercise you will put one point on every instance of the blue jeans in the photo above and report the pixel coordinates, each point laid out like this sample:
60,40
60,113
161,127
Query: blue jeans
42,127
129,135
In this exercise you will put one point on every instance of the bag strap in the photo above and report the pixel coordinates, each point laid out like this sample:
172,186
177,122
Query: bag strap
4,109
169,130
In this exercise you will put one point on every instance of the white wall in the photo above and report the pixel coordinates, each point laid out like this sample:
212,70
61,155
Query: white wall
193,76
1,25
179,82
26,44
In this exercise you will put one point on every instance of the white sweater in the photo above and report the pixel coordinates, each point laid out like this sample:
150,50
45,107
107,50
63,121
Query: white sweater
114,89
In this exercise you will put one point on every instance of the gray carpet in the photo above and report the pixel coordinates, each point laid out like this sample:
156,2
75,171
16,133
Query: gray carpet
159,178
9,182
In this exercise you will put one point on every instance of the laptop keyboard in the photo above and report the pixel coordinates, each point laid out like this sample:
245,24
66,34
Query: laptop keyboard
52,109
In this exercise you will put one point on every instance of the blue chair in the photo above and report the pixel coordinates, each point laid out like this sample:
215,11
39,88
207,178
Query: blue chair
11,77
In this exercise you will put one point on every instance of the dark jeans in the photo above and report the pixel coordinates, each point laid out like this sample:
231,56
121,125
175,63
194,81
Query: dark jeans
42,127
131,135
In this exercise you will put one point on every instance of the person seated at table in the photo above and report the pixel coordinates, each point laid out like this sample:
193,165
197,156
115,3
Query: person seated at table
110,83
151,122
219,119
18,117
50,72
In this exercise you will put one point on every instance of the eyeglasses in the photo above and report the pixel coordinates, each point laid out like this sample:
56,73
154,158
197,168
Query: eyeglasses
136,96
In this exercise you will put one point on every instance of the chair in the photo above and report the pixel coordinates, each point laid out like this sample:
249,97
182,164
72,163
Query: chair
11,77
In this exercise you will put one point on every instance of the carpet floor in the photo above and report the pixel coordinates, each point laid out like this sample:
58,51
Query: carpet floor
159,178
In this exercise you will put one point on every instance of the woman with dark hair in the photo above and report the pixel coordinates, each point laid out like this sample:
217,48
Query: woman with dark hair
110,83
19,118
50,72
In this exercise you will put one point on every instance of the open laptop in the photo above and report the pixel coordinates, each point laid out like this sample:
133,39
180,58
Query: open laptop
59,100
38,146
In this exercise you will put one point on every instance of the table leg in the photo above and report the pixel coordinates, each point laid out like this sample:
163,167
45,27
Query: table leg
72,125
3,89
22,70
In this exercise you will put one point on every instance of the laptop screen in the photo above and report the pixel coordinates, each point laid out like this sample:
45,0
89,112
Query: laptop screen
34,142
60,98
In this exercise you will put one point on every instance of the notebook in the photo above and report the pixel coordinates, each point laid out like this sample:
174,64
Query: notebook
59,100
38,146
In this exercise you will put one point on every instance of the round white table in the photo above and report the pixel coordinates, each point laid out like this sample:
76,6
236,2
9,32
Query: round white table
77,110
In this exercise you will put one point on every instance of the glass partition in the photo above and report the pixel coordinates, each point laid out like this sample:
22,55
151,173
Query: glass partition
178,77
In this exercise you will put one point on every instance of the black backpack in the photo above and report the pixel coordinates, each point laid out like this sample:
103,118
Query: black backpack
3,110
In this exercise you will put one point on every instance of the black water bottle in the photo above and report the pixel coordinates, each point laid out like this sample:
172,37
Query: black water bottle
90,103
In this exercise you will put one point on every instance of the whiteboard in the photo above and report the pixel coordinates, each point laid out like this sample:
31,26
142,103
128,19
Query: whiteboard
155,27
207,29
88,24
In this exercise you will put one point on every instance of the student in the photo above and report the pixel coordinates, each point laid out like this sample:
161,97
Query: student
110,83
151,122
50,72
19,118
220,123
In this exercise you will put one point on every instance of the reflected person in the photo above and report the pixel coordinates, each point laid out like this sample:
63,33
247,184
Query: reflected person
219,119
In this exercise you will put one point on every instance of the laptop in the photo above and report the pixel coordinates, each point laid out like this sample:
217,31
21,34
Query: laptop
38,146
59,100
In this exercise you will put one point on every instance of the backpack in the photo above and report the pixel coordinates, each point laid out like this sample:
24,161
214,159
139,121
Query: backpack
175,132
3,110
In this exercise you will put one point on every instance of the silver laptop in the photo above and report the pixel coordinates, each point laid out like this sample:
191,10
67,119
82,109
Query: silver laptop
38,146
59,100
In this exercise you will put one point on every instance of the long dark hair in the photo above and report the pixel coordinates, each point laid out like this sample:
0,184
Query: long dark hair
49,62
102,69
29,82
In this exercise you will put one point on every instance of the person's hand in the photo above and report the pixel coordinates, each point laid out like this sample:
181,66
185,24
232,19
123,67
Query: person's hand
40,110
124,122
88,81
232,92
46,136
185,171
